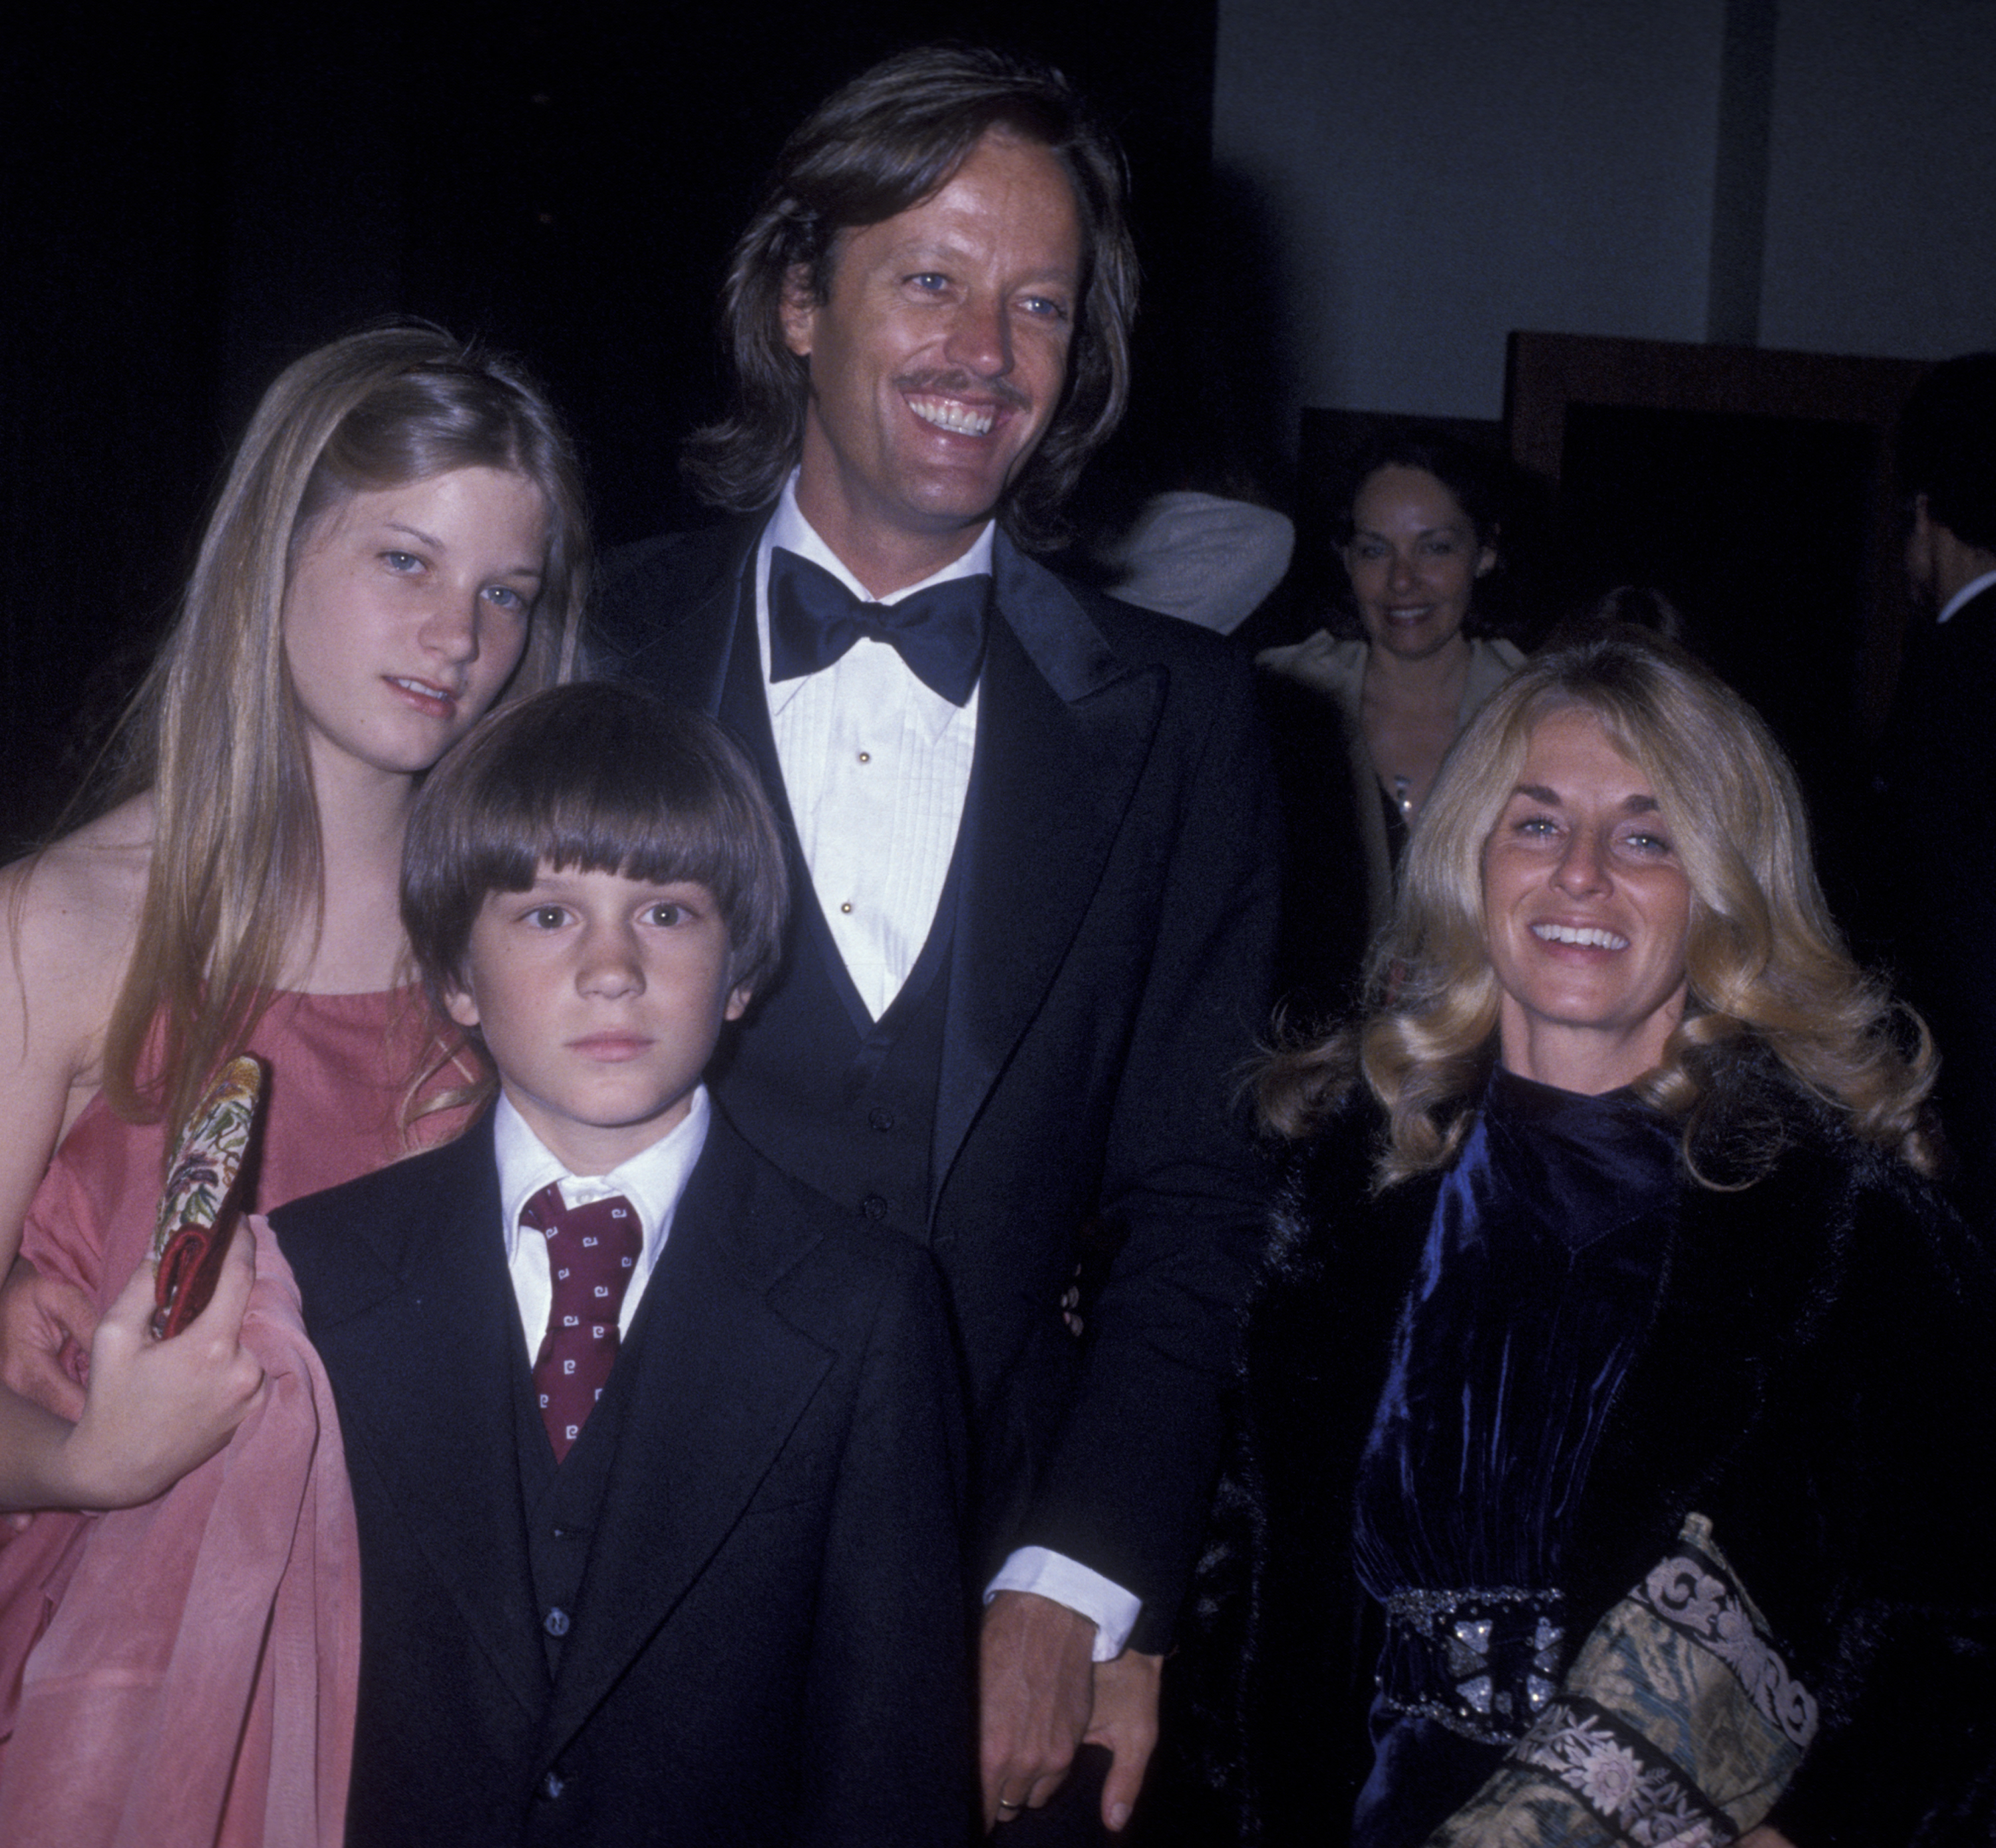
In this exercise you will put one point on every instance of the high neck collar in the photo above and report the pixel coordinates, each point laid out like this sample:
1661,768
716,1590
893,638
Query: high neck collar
1584,1164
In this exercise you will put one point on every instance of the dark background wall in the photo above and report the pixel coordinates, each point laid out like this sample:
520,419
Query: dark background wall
188,201
1432,175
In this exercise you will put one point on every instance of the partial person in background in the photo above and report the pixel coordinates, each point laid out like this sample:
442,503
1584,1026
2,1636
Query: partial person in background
1362,712
400,542
1179,513
1932,907
1199,557
1617,1400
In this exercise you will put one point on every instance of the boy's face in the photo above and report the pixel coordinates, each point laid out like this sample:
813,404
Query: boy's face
600,998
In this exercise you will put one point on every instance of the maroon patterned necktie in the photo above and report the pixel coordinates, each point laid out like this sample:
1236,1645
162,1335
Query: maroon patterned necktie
592,1254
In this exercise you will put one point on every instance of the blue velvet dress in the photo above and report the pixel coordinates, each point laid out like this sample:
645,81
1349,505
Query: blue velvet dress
1538,1276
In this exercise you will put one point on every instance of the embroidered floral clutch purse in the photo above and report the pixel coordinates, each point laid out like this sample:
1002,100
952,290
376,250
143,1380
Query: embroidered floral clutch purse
195,1211
1678,1725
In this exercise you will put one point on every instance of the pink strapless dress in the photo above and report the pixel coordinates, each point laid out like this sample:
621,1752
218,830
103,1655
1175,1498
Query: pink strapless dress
185,1671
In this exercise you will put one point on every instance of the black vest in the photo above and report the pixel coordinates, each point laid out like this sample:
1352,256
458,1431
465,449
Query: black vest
842,1102
561,1500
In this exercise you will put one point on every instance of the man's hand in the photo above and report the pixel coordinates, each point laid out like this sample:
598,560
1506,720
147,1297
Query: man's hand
1035,1691
38,1315
1041,1696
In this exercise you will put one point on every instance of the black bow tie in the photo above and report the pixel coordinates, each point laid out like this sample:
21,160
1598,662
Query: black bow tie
814,619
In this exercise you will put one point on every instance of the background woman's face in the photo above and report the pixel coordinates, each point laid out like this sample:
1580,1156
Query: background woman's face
1413,559
1586,910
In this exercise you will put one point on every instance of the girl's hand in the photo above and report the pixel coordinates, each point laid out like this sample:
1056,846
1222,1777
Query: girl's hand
44,1322
157,1409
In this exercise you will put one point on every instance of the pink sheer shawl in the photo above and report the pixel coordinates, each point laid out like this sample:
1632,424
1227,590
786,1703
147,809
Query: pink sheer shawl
196,1680
186,1671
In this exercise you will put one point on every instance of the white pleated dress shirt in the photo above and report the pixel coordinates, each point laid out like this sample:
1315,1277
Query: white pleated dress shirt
876,765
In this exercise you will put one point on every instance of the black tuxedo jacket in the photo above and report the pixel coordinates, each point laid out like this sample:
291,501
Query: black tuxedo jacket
1932,901
1108,974
768,1645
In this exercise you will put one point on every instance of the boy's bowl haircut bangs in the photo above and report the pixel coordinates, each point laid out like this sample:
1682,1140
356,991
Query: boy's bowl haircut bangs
596,779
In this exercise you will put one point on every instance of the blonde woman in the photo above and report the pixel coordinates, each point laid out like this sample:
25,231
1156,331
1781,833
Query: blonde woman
1608,1398
400,542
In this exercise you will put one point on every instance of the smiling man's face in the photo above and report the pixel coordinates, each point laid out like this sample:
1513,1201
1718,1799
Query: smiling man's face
937,360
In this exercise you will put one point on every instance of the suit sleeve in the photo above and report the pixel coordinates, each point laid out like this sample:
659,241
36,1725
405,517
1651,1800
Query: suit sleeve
1182,1202
887,1716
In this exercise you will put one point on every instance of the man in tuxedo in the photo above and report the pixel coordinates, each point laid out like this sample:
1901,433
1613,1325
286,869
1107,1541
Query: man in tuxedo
1936,865
1036,825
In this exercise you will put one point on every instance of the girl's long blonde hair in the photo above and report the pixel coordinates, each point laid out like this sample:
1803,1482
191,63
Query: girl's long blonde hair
214,732
1765,963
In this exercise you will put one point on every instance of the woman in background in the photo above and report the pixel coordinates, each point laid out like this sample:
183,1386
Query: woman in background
400,541
1362,720
1616,1401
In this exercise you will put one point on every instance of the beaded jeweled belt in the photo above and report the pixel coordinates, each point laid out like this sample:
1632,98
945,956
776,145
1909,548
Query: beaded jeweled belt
1483,1663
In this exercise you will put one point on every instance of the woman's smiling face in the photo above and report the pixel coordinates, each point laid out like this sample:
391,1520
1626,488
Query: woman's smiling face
1586,910
1413,558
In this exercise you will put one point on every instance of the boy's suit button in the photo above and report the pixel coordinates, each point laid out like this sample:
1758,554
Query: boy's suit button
880,1119
873,1206
555,1622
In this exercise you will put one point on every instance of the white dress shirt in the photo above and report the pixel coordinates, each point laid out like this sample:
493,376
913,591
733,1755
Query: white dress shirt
876,765
652,1182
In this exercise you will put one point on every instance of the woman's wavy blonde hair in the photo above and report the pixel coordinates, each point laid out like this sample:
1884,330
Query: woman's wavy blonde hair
1766,964
214,732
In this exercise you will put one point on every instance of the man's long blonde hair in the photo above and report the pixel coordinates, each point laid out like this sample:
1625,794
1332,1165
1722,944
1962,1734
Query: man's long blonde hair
1765,962
214,732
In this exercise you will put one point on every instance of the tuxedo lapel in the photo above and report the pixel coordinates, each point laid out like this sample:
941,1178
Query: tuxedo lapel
1064,731
424,1357
722,1380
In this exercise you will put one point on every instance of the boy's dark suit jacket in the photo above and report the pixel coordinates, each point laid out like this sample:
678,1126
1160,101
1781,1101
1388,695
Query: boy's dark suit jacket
1109,973
768,1645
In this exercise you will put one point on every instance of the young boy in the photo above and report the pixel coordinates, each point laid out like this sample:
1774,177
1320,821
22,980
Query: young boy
656,1453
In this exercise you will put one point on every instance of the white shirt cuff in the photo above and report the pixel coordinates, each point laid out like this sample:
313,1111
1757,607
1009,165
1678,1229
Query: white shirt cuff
1103,1603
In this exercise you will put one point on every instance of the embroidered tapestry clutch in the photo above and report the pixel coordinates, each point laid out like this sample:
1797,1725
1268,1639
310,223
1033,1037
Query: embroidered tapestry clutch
1678,1724
191,1237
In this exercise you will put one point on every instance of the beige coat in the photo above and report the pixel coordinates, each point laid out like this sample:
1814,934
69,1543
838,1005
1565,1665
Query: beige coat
1335,665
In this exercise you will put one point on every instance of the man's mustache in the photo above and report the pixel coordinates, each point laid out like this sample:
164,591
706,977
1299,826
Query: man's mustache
957,384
